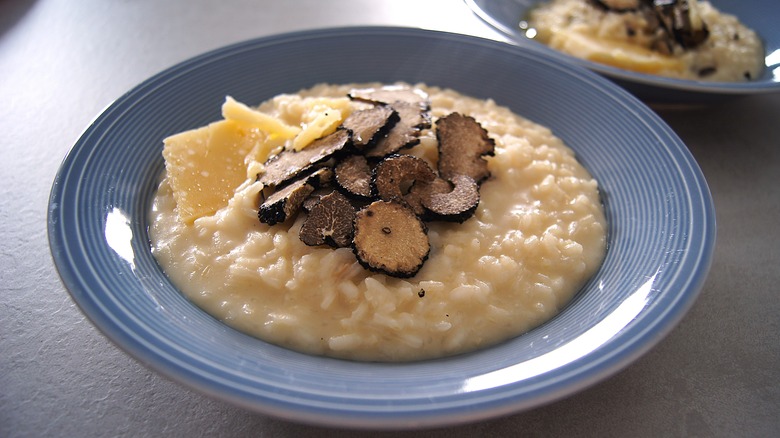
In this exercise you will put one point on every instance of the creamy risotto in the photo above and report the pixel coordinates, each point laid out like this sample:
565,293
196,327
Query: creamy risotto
537,235
685,39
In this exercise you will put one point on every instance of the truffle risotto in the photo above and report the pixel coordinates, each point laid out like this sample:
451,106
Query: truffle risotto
684,39
537,235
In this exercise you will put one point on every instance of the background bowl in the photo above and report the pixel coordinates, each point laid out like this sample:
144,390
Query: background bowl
661,232
760,15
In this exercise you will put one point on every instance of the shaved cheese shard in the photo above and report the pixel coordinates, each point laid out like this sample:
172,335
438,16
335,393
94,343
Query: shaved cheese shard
615,53
320,117
272,126
260,153
207,164
324,124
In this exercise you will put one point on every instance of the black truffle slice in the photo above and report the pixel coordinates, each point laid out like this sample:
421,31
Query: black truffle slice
412,106
330,222
289,163
681,19
285,202
456,205
368,125
405,133
425,189
389,94
353,174
672,21
390,238
395,175
315,197
462,144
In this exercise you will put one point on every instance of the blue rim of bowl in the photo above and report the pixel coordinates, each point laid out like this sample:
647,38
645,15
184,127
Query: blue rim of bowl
626,76
292,399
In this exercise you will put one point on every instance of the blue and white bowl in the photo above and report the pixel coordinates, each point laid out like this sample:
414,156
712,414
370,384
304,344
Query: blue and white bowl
660,213
759,15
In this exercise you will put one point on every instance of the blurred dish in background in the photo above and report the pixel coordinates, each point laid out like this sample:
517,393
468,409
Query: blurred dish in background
714,72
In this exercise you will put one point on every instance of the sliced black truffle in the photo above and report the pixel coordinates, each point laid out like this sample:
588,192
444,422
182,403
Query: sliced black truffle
425,189
462,144
289,163
395,175
682,20
368,125
285,202
670,21
390,238
405,133
330,222
315,197
456,205
389,94
412,106
353,174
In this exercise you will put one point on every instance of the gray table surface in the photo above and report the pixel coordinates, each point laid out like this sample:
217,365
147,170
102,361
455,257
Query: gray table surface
61,63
